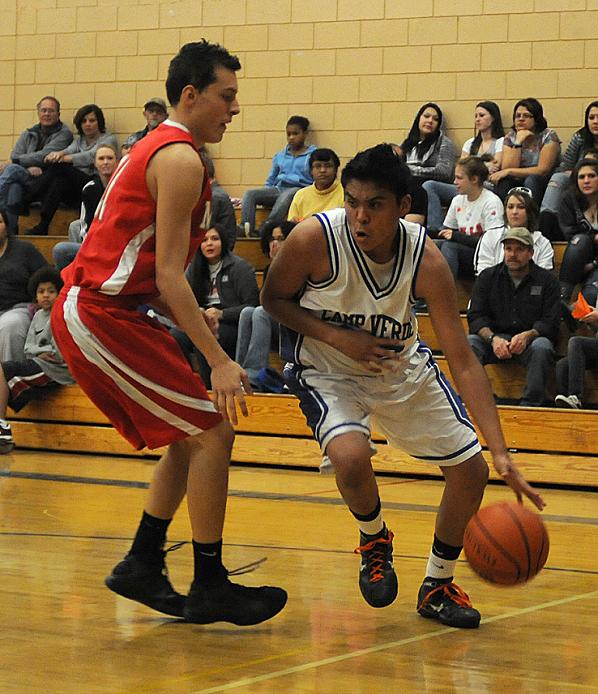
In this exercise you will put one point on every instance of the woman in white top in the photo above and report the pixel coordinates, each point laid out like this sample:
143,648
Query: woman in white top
520,211
487,144
473,212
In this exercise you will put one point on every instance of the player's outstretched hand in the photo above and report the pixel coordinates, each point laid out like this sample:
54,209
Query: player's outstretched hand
374,353
509,472
229,385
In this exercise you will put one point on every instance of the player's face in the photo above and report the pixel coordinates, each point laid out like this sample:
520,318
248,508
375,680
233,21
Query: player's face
428,121
517,256
105,161
482,119
323,173
46,294
587,180
48,113
214,107
516,212
593,121
373,214
211,246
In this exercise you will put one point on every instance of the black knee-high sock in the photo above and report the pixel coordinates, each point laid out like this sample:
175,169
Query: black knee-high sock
150,539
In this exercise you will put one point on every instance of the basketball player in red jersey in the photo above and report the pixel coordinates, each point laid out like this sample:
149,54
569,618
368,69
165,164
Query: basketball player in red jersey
147,227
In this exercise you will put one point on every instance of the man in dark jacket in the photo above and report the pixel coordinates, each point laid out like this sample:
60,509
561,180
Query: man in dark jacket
27,157
514,314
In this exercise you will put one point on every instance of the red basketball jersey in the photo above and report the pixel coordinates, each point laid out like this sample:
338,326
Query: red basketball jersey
118,256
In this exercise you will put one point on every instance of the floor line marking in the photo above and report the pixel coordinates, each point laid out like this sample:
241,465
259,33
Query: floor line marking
386,646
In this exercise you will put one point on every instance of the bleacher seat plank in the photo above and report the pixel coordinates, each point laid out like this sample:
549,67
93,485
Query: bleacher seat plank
45,244
251,250
59,225
261,214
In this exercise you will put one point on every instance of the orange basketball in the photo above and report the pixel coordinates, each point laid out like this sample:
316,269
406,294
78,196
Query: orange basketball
506,543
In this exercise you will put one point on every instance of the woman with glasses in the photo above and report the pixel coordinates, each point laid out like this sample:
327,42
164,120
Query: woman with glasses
520,211
578,219
531,151
487,144
258,332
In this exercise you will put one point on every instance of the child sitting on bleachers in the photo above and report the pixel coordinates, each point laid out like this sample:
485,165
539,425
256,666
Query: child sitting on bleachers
43,366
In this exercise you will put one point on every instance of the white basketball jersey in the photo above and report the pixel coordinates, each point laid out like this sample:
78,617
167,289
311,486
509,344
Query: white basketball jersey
352,297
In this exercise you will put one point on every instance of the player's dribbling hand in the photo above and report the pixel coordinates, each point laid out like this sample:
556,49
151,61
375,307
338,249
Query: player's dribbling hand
374,353
509,472
230,383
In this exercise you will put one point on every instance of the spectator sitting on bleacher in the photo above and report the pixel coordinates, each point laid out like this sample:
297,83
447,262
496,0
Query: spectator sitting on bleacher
258,331
18,261
520,211
325,193
531,152
578,217
583,140
289,172
428,152
223,285
42,365
64,252
474,212
27,159
514,313
70,169
582,354
154,112
487,144
222,211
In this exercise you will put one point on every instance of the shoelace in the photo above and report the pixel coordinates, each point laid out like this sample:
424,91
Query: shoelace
239,571
452,592
378,556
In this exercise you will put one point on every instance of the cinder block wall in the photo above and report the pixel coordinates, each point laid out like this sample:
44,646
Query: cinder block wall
359,70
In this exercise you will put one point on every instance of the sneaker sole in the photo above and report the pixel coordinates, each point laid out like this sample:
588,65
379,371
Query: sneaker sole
472,624
113,583
198,618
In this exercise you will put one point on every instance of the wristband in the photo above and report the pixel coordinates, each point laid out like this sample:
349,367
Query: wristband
516,146
490,338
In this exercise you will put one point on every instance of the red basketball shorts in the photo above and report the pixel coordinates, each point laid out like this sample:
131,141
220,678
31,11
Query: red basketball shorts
131,367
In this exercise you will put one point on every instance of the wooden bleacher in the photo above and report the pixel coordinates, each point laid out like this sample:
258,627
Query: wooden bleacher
275,433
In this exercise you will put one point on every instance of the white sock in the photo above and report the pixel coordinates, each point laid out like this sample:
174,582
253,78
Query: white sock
440,568
372,527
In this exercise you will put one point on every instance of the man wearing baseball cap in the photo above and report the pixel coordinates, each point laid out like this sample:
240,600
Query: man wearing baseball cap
155,112
514,314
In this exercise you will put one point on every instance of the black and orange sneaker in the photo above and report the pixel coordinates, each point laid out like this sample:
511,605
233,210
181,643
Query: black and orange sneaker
447,603
377,579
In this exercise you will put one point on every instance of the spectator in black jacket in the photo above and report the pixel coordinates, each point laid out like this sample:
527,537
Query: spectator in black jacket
578,219
224,285
515,312
18,261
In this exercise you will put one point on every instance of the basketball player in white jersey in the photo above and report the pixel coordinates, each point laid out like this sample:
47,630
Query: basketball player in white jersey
344,284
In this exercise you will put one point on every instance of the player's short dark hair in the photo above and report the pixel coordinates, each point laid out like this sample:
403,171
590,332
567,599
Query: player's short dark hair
380,165
196,64
85,111
301,121
324,154
47,273
474,166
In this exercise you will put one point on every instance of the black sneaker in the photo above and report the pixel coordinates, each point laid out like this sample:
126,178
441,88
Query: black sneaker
447,603
377,579
230,602
147,584
6,441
